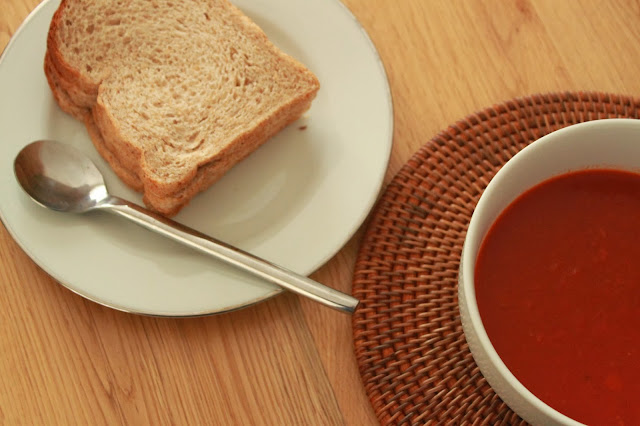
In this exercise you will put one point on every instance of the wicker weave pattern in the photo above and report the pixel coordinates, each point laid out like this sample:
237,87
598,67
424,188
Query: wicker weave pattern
413,359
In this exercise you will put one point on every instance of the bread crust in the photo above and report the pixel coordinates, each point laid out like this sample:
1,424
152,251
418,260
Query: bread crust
84,115
81,90
209,173
83,98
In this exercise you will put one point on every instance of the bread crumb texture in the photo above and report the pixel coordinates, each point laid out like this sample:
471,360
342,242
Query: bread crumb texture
175,88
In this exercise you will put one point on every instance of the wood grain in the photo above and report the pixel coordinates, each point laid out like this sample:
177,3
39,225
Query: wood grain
64,360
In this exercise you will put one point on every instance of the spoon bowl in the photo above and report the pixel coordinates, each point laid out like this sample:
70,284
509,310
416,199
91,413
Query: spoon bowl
61,178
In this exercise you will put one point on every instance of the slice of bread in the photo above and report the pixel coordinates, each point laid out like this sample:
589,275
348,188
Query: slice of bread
173,93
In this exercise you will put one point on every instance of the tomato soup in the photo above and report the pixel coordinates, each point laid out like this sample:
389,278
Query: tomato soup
557,283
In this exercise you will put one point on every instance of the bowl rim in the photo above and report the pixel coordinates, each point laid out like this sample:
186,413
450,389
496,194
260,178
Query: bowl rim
468,262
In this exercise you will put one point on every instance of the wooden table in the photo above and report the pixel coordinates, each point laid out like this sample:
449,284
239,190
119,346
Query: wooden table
65,360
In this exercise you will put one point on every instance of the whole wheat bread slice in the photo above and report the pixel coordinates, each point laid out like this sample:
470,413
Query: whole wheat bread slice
173,93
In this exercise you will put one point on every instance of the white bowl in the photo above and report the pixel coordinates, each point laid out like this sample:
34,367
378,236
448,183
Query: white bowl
611,143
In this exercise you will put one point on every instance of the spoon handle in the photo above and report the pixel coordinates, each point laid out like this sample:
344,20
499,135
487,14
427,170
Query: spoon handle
268,271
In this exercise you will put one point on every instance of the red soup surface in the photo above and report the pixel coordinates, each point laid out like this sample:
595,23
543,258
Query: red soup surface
558,288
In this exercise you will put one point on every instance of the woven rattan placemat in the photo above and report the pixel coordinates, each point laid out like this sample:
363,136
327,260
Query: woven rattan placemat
411,352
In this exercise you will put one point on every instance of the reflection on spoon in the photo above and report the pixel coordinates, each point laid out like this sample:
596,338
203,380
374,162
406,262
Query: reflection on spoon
61,178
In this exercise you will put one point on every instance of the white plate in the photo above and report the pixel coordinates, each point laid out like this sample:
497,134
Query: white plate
295,201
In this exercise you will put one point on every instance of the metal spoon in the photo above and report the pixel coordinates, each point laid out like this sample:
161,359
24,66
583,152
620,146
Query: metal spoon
62,178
